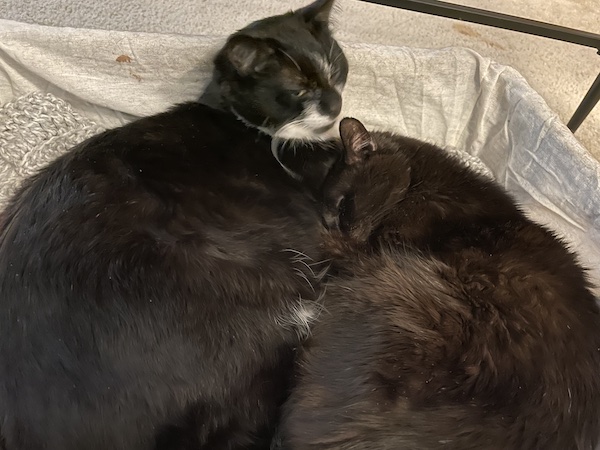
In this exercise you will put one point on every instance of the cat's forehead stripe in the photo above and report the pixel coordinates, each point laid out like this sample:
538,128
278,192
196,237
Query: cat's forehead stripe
324,67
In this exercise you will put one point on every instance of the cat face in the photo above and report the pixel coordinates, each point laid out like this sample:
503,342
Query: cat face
285,74
365,188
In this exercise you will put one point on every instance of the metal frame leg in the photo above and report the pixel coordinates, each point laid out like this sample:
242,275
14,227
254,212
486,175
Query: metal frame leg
514,23
585,107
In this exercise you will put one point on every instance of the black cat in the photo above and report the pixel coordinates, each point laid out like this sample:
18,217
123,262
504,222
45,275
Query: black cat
454,322
154,283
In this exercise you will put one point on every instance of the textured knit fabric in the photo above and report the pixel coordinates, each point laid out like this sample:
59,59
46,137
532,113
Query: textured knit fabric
34,130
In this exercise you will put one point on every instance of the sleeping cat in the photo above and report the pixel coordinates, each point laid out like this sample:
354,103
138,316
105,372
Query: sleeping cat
154,283
283,75
155,280
454,322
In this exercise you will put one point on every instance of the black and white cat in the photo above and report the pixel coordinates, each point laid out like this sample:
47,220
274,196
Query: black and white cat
454,322
156,279
154,282
283,75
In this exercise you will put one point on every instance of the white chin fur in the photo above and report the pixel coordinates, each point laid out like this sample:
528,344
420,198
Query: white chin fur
301,132
305,127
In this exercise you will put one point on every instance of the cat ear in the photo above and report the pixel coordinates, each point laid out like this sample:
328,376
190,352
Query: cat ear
317,11
249,55
356,139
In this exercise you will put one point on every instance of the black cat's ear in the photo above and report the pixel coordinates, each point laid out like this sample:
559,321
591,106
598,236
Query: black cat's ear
249,55
317,11
357,141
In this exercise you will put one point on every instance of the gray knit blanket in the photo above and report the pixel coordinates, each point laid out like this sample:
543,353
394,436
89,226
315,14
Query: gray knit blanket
34,130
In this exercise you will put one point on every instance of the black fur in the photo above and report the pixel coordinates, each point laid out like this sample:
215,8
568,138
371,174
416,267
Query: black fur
454,323
150,285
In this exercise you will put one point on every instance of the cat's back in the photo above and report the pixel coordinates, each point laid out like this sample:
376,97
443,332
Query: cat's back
405,355
192,181
154,268
443,187
188,168
461,215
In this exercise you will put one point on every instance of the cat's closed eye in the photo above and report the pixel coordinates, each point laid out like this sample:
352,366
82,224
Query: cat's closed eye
345,212
299,93
340,216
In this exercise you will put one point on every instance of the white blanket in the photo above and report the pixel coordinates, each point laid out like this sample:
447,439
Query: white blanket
452,97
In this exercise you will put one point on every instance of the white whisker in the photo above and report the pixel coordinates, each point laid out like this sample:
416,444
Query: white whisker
338,56
305,278
312,273
297,252
275,151
291,59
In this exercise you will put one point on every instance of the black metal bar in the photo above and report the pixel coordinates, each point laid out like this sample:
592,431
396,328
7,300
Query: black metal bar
587,104
513,23
495,19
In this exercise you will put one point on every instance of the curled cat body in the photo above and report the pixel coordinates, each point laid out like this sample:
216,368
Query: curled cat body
454,322
154,282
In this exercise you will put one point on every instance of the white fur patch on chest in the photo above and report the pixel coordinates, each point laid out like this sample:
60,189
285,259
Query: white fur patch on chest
301,314
300,317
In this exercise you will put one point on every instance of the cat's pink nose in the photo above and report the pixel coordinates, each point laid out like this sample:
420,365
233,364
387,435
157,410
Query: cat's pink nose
331,102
